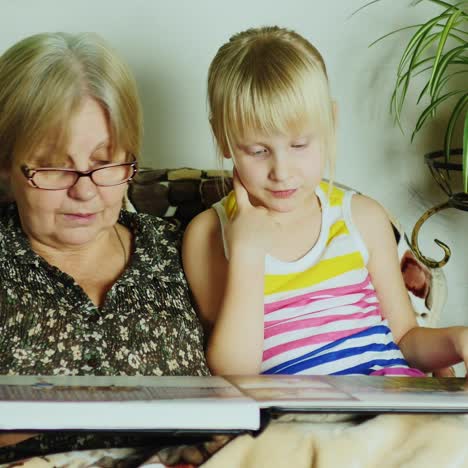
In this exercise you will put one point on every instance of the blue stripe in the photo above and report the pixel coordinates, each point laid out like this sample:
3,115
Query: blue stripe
376,330
367,367
288,368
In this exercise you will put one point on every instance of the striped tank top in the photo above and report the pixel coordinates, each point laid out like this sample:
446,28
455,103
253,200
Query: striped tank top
321,312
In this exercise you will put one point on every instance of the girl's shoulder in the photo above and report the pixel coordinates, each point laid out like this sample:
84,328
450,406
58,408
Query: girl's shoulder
366,211
371,220
203,228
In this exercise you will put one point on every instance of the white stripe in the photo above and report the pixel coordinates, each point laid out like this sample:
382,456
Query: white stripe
335,326
352,361
344,305
353,277
380,338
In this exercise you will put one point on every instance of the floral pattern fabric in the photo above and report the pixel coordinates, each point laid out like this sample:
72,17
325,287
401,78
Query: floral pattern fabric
146,326
49,326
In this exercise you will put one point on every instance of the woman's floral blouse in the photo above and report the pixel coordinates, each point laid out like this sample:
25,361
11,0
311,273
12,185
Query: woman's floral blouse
49,326
146,326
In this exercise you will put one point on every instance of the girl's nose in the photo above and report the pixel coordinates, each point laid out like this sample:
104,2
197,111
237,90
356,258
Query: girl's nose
279,169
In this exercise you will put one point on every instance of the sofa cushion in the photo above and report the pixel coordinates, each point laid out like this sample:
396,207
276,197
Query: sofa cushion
177,193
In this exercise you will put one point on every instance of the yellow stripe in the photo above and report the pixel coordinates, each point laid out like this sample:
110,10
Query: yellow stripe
336,198
324,270
338,229
336,195
229,204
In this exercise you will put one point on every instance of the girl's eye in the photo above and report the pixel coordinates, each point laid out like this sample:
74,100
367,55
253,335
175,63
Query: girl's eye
299,145
257,151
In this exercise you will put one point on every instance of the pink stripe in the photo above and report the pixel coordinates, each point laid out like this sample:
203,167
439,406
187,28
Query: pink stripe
279,327
309,297
309,340
361,304
402,371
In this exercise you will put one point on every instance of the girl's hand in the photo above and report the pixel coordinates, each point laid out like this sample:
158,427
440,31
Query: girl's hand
461,345
251,230
444,372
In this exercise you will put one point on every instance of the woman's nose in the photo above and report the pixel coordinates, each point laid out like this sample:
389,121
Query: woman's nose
84,189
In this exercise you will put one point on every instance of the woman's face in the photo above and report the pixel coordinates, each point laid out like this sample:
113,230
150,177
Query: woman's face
73,217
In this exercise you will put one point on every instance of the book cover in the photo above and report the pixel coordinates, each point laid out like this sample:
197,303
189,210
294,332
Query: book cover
126,403
233,403
356,393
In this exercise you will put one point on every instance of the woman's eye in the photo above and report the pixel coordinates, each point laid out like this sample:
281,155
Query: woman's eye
102,162
299,145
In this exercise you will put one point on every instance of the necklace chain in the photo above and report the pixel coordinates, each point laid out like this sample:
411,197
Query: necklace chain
124,250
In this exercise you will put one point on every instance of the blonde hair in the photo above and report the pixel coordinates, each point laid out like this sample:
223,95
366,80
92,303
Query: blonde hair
43,81
269,79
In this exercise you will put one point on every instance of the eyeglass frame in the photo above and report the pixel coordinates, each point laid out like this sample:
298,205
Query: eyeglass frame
29,173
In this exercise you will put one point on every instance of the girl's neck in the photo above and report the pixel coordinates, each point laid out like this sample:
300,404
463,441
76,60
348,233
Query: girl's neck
311,208
300,231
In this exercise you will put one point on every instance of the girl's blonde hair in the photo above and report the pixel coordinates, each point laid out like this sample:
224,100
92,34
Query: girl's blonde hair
270,79
43,81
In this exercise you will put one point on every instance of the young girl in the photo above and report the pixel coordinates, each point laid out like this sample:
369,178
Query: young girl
290,274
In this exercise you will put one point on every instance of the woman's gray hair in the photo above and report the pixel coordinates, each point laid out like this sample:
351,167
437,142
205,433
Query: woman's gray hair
43,81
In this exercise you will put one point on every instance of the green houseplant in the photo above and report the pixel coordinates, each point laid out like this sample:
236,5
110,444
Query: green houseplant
437,52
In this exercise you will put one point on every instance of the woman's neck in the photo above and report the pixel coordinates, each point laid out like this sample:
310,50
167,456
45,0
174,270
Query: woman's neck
62,254
110,251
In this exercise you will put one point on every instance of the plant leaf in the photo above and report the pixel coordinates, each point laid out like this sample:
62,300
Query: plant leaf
394,32
431,107
444,62
465,154
443,39
445,80
459,106
416,38
362,8
405,84
439,2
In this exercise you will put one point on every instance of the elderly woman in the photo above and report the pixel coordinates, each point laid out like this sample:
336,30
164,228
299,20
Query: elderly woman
85,288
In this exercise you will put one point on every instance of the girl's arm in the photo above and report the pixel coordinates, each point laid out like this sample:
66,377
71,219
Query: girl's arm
424,348
230,294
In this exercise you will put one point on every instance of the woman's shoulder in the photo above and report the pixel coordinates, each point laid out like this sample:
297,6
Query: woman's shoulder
151,227
157,242
11,235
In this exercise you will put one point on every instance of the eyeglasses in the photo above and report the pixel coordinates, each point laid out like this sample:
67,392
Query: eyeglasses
48,178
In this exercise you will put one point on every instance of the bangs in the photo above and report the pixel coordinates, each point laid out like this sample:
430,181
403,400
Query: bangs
277,112
278,93
44,117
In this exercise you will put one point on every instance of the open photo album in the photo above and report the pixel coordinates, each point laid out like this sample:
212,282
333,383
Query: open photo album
211,403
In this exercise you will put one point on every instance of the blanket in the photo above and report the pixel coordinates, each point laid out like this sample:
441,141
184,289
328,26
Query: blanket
390,441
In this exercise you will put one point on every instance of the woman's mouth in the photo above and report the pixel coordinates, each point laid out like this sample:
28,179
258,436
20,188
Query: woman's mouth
81,218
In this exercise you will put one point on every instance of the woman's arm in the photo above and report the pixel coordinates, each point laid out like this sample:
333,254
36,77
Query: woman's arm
424,348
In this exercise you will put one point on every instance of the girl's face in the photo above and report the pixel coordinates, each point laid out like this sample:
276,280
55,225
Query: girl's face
280,171
78,215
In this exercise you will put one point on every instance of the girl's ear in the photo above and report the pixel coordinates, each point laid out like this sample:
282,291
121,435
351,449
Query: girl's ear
224,151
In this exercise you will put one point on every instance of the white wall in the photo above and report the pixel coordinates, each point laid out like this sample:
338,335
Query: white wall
169,45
